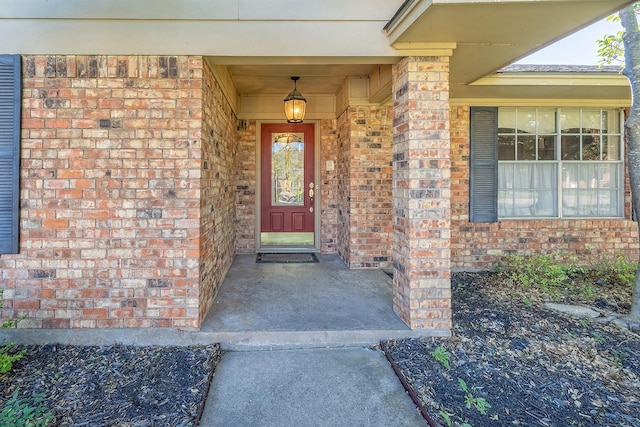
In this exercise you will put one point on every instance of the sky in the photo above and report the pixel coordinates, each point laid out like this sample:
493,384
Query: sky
580,48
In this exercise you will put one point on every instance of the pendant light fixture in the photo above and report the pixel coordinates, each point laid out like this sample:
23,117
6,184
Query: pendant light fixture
295,104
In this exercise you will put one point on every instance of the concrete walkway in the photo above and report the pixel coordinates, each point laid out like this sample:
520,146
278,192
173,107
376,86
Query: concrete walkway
320,387
320,318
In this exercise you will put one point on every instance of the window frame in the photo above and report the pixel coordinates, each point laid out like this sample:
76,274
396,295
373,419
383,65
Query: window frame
559,162
483,166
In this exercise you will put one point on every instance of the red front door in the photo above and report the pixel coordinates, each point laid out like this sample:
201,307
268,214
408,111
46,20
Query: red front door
288,187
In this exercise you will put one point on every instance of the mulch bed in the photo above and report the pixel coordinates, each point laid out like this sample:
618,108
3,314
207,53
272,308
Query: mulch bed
114,385
533,366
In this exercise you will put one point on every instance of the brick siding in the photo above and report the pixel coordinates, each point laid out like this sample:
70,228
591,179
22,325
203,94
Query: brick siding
365,186
218,191
328,187
343,187
246,169
138,186
111,193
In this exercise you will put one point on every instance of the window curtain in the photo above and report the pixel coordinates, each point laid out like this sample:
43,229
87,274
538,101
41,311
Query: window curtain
527,189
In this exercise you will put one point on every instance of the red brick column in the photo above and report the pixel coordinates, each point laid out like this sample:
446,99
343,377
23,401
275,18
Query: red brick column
421,193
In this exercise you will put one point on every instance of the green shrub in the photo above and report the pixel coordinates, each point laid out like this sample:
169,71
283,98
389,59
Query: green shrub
558,274
20,412
9,323
442,355
548,272
6,358
616,270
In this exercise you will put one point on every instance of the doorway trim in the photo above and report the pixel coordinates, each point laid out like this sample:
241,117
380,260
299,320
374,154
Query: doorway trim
317,202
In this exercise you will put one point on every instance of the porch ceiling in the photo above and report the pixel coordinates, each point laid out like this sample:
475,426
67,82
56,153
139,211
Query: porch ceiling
274,79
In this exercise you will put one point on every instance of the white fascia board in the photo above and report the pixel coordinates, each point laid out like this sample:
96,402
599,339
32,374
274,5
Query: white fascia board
548,79
301,60
120,9
316,10
215,38
310,10
401,23
546,102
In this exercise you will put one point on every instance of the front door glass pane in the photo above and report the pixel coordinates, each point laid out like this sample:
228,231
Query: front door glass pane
287,169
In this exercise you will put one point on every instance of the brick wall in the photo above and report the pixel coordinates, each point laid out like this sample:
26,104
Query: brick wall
343,187
328,187
246,188
110,193
479,245
365,183
218,190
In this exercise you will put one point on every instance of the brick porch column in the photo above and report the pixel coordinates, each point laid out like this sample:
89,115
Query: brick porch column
421,193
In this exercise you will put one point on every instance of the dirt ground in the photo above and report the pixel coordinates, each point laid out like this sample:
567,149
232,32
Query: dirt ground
522,364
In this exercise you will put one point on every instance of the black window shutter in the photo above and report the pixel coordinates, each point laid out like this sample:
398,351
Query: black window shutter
10,95
483,189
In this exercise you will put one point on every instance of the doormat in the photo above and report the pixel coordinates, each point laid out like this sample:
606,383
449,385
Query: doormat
287,258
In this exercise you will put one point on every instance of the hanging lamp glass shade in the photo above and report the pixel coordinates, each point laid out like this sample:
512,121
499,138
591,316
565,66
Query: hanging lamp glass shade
295,104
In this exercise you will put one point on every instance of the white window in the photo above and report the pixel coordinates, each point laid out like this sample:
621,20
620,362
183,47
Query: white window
560,162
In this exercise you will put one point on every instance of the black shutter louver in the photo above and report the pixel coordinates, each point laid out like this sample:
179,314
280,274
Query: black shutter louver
483,191
10,95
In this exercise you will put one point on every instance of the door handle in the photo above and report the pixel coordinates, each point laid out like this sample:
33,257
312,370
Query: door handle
311,194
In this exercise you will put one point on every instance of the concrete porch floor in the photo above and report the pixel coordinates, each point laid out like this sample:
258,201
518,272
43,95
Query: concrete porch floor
269,306
303,305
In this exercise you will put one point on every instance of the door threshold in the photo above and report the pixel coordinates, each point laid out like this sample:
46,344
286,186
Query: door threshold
287,249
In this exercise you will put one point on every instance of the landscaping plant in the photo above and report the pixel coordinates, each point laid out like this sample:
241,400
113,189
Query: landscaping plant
442,355
616,270
547,272
6,358
19,411
559,275
480,403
